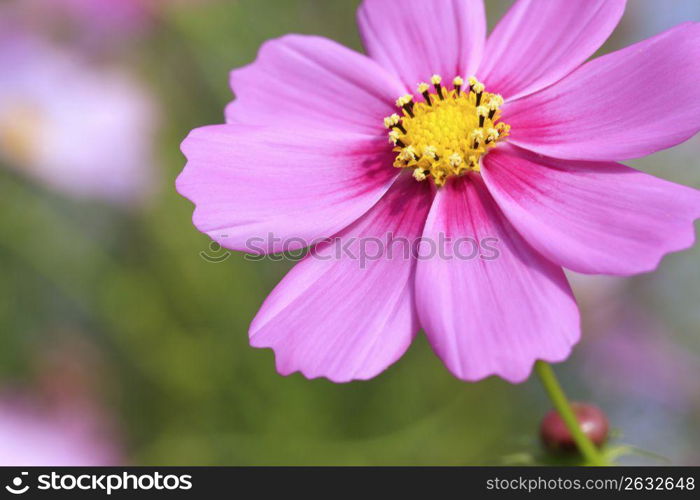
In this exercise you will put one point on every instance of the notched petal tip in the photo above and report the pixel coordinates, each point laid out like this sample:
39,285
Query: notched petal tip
521,306
517,371
286,366
592,217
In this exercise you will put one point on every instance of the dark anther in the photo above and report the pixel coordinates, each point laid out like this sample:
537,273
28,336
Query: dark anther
491,114
408,107
400,127
478,99
426,94
438,88
481,121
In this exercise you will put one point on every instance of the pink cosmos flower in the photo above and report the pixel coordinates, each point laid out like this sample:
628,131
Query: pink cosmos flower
525,151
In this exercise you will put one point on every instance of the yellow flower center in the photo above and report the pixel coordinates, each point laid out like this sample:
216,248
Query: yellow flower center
19,126
448,132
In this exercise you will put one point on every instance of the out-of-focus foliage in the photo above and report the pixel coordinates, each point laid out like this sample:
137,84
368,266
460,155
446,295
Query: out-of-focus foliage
176,374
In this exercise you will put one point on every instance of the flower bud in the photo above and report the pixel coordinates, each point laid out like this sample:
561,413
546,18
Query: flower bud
557,438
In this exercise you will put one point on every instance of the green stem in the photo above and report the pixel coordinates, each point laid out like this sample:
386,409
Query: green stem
589,450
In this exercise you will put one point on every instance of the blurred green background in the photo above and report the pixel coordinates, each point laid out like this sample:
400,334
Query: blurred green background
114,303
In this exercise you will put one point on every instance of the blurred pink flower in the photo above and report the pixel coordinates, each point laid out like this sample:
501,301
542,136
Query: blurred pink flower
86,131
95,21
63,419
114,12
526,153
31,435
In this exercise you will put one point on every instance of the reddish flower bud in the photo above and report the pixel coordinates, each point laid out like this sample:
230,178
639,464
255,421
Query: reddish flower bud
557,438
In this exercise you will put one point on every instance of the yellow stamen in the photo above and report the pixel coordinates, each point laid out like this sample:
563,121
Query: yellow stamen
448,132
419,175
392,120
492,134
430,152
407,154
394,136
495,101
403,100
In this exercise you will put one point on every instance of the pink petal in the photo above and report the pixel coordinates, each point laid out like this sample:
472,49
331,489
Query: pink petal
260,190
344,318
416,38
627,104
312,81
537,43
490,316
592,217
